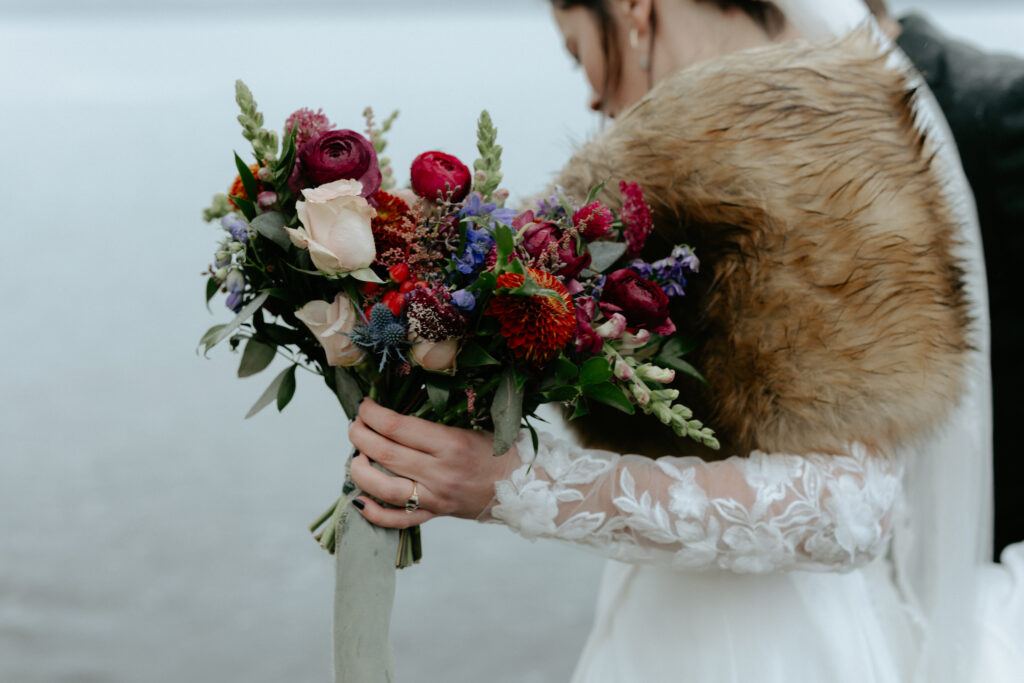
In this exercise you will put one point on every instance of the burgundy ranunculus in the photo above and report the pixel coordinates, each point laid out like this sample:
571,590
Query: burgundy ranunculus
543,237
436,175
643,302
336,155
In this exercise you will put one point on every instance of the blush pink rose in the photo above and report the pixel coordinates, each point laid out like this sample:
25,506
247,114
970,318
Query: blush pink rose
330,323
336,228
437,356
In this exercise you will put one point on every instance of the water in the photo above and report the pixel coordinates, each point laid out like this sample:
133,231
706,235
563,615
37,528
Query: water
148,533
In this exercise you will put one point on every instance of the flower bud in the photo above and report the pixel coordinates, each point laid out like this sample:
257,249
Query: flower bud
613,328
656,374
501,195
222,273
622,370
235,281
665,395
632,340
222,260
641,394
266,200
235,247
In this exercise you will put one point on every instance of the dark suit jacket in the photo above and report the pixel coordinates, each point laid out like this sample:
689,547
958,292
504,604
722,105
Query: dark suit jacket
982,96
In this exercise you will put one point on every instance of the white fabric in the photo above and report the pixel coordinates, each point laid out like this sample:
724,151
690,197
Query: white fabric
717,587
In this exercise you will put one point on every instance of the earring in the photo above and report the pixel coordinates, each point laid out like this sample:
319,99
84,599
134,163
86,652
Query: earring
634,43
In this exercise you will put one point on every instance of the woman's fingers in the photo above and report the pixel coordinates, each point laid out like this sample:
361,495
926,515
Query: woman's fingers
383,486
413,432
390,517
393,456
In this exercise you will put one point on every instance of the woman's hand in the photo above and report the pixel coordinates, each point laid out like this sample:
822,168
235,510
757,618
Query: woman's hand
454,469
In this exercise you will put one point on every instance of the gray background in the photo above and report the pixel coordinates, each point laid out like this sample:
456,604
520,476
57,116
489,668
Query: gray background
147,532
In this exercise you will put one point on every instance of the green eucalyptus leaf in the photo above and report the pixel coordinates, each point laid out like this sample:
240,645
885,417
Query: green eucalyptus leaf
271,393
255,358
604,254
474,356
212,285
506,413
224,331
271,225
346,388
286,391
438,397
596,371
609,394
677,345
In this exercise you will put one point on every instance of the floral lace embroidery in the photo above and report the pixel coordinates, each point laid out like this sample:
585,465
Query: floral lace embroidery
750,515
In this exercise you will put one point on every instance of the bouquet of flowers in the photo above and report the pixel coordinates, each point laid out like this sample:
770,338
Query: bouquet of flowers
438,301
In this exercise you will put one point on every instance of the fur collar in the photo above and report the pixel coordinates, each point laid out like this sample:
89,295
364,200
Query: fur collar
830,305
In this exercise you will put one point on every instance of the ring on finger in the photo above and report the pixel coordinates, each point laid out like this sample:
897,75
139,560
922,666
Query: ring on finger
413,502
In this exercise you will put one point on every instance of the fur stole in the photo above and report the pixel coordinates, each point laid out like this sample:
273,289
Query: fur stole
829,307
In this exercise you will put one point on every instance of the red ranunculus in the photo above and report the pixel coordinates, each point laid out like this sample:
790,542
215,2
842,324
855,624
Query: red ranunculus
336,155
548,237
436,175
641,301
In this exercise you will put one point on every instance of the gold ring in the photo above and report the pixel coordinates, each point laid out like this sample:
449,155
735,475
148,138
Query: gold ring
413,504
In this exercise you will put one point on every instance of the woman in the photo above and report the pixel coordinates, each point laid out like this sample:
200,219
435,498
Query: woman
841,328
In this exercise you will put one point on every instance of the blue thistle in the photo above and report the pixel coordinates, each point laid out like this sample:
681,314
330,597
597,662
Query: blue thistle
383,334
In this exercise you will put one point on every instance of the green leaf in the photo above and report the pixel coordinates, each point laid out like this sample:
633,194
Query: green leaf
287,389
271,225
346,388
531,288
680,365
474,356
211,338
272,391
255,358
611,395
678,345
210,335
562,394
565,369
505,244
249,182
283,168
506,413
281,335
212,286
594,191
581,410
604,254
248,208
438,397
595,371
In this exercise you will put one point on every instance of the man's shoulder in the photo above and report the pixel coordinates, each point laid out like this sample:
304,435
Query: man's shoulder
962,74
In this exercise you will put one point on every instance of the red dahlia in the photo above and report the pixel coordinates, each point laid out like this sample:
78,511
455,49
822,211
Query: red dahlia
536,327
392,229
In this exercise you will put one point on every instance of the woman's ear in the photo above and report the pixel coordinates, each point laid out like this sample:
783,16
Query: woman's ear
636,16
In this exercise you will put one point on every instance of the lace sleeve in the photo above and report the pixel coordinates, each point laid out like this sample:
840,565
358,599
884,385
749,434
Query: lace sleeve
751,515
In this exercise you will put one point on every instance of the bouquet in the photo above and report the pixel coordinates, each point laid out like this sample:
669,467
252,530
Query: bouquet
437,300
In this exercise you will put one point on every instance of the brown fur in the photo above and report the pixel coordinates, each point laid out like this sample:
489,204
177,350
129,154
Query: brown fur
829,306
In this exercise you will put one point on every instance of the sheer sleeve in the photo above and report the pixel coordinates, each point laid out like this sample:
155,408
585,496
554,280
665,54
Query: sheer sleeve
756,514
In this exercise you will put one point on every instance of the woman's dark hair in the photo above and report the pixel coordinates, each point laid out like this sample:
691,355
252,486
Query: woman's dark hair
765,14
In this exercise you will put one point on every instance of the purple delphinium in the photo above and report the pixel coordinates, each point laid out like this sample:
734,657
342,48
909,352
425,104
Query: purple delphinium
236,227
669,272
463,300
235,283
551,207
475,206
479,242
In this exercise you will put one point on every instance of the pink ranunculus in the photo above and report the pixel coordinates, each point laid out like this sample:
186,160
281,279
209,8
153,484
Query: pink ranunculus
594,221
436,176
641,301
336,228
330,323
338,155
541,238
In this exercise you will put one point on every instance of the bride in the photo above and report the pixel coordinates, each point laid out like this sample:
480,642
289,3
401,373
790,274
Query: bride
842,317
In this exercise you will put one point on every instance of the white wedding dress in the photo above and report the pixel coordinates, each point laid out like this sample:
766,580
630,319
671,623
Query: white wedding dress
774,568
